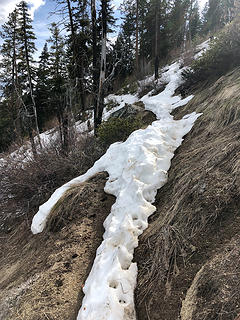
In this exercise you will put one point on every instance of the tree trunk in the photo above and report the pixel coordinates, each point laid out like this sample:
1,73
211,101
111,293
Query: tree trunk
102,77
137,33
78,65
30,85
94,48
156,63
189,24
15,101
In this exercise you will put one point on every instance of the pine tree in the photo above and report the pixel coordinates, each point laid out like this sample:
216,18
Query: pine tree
44,109
195,22
177,23
124,47
78,48
217,13
76,20
27,48
94,54
9,74
107,22
7,126
102,77
58,83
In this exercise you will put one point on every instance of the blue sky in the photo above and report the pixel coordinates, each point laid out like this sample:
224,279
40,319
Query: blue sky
40,10
41,22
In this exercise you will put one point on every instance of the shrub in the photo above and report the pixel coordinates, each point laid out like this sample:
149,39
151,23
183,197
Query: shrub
223,56
118,129
111,104
29,184
129,86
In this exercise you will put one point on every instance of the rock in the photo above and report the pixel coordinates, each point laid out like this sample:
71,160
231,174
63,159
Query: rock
134,110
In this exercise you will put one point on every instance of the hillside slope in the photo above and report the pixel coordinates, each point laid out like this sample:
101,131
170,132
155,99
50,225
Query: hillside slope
196,227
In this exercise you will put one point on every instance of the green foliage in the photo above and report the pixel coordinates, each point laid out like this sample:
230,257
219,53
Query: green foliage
129,86
217,13
7,133
118,129
223,55
111,104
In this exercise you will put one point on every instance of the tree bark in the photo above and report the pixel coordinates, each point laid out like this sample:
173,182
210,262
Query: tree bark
78,65
94,70
101,89
30,86
189,24
137,33
14,98
156,63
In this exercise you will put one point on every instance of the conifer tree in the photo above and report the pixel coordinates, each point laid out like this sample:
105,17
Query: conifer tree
27,48
102,77
58,77
107,22
43,85
76,21
217,13
124,47
78,47
9,73
94,55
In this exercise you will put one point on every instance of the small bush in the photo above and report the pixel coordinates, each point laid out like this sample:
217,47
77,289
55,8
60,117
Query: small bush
129,86
117,129
111,104
223,56
27,185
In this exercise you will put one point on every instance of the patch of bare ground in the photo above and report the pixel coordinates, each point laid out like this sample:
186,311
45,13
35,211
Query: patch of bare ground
197,217
214,293
41,276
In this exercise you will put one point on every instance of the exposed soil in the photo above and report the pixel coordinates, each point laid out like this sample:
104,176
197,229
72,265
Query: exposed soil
41,276
214,292
198,212
188,258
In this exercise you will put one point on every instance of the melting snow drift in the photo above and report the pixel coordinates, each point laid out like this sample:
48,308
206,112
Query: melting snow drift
137,168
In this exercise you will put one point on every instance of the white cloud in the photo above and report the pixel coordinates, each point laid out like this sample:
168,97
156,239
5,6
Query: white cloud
7,6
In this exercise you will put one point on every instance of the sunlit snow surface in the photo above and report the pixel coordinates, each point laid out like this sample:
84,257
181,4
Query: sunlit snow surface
137,168
201,48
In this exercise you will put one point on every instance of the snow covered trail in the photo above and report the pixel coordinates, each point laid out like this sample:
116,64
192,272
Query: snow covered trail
137,168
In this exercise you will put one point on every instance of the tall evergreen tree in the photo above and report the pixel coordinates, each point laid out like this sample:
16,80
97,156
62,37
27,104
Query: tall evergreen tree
102,77
43,84
58,83
218,13
27,48
124,47
9,72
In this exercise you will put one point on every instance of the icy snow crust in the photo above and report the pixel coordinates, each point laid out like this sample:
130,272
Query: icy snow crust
137,168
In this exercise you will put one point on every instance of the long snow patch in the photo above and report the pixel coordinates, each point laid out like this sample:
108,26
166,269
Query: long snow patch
137,168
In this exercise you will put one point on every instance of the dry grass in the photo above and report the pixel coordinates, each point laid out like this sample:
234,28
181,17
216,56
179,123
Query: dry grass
74,204
215,293
203,187
31,183
48,270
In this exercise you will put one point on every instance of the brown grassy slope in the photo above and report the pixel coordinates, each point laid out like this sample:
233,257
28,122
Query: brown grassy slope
198,210
41,276
215,289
